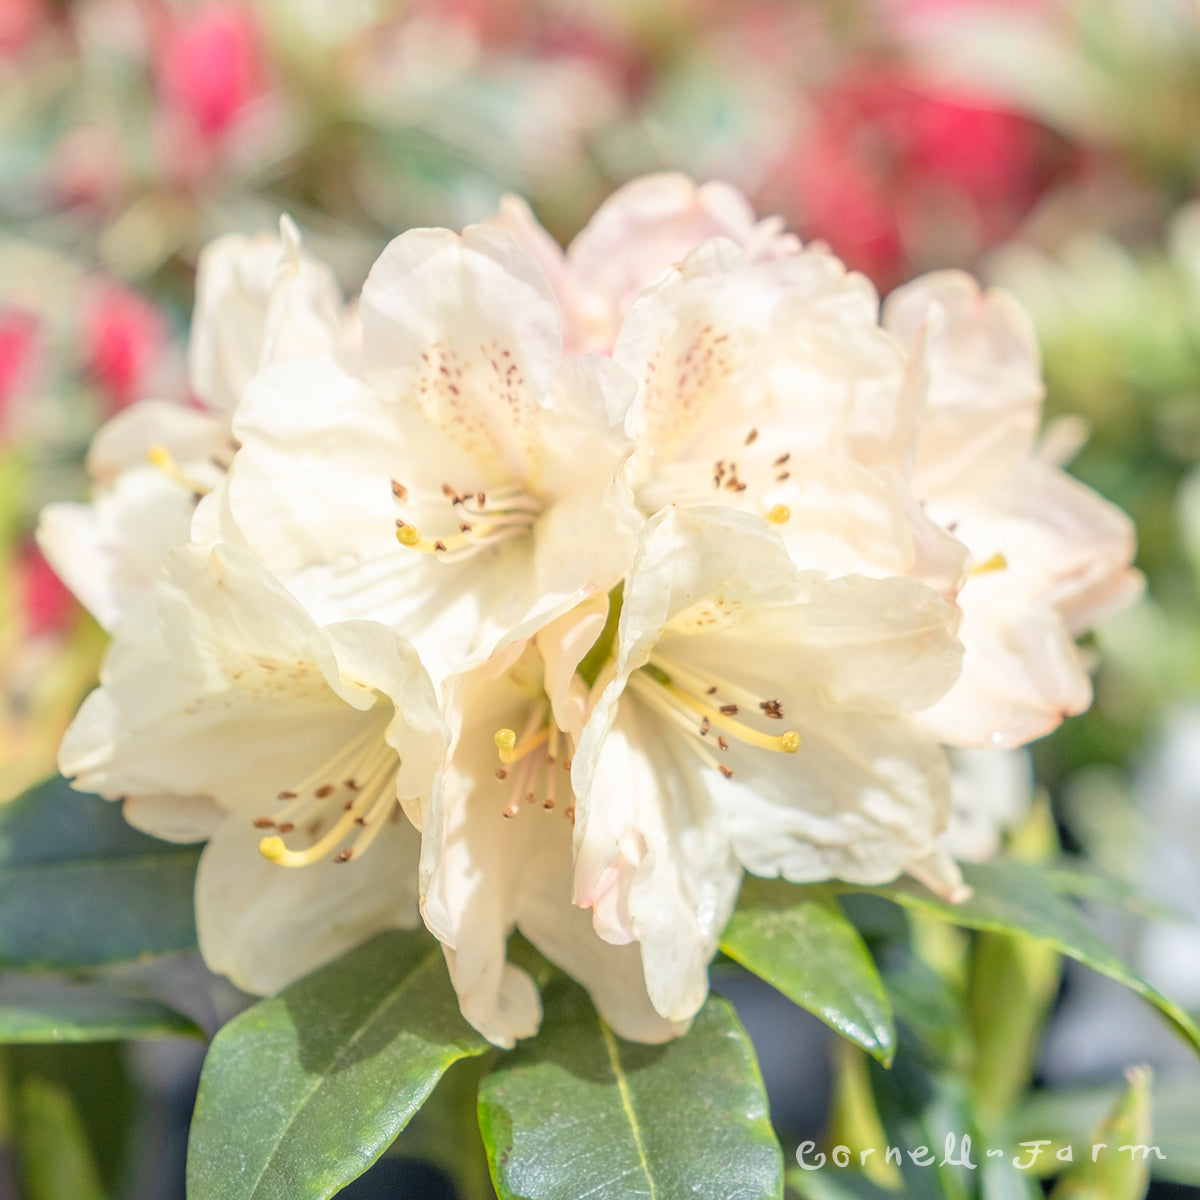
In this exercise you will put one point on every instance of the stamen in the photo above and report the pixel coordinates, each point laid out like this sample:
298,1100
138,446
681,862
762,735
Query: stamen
722,717
372,795
160,457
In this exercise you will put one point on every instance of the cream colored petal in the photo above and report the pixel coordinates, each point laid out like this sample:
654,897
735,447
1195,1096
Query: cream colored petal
264,925
466,332
1021,674
984,385
258,299
110,551
642,229
652,858
193,439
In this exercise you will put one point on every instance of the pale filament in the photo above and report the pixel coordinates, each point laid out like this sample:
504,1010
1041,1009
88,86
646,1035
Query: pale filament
162,458
526,752
744,473
366,795
482,519
704,707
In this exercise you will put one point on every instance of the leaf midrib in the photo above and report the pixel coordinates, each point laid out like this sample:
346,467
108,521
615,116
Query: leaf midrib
618,1070
338,1057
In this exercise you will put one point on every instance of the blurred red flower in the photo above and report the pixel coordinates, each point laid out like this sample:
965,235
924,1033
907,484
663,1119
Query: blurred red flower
123,339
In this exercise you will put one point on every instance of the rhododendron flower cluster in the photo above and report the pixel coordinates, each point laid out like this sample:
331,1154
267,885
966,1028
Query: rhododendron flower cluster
553,591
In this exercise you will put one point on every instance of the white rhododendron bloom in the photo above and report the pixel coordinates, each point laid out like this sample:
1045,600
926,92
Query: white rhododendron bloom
242,717
497,850
770,387
1049,557
759,717
567,587
640,231
464,483
258,300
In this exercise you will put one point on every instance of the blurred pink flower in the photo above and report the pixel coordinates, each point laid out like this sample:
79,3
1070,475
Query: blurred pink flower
19,21
19,336
46,607
123,339
889,155
210,67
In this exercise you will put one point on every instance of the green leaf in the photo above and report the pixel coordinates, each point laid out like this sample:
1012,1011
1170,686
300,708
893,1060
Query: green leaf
80,888
577,1111
446,1133
71,1112
54,1010
1111,1176
1068,1115
834,1183
302,1092
799,941
1016,898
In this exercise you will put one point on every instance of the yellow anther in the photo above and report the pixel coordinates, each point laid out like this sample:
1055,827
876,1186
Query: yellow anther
408,535
159,456
511,750
996,563
272,848
779,514
789,742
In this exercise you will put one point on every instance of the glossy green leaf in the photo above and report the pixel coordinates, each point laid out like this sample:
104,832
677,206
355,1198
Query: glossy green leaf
302,1092
80,888
53,1010
577,1111
1020,899
799,941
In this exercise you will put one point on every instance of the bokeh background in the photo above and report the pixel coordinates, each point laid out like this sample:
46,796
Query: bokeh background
1051,146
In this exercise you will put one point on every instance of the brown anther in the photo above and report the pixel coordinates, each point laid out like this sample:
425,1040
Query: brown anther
723,743
399,490
712,691
285,827
781,460
480,499
729,710
510,812
344,855
347,806
530,798
439,545
326,789
783,476
464,528
751,437
705,726
548,803
360,820
449,492
569,813
725,770
738,487
772,709
566,764
351,784
501,773
263,823
286,796
550,760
